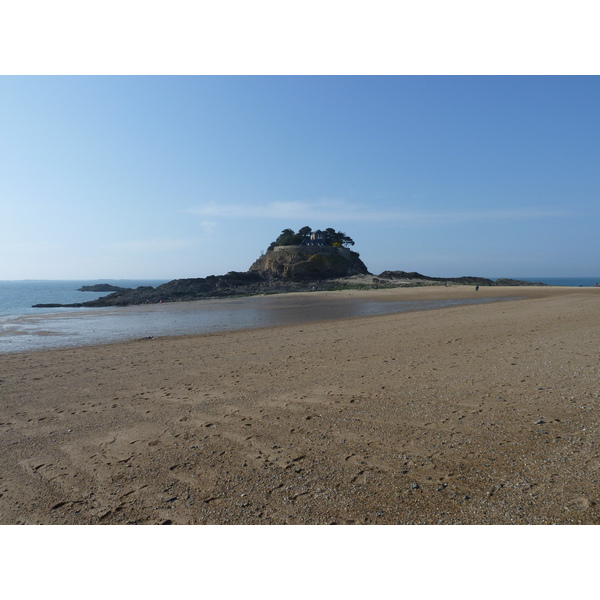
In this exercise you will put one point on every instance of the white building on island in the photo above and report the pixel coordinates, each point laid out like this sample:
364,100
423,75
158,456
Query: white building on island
317,238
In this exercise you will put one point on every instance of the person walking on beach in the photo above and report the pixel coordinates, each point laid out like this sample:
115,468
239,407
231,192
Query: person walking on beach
476,288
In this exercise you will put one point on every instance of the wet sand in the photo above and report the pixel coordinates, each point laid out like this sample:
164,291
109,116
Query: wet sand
81,327
475,414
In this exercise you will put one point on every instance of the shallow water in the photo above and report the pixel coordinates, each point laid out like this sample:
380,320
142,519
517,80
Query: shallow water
82,328
17,297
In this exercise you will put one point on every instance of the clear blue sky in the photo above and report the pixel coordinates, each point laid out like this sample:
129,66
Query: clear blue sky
171,177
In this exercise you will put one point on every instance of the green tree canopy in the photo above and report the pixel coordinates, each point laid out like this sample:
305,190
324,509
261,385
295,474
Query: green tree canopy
338,238
288,237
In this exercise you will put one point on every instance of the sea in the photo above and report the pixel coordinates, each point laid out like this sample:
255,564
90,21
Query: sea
561,281
18,297
23,328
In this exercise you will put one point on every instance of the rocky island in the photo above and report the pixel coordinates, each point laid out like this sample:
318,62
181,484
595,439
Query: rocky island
300,261
100,287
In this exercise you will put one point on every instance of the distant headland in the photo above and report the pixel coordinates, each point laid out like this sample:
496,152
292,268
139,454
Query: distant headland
300,261
101,287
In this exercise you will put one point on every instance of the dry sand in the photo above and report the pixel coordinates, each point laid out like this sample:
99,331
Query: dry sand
474,414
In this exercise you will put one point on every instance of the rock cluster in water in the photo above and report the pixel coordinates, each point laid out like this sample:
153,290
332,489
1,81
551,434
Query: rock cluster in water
100,287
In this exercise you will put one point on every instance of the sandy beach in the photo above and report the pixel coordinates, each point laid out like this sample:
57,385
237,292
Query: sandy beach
474,414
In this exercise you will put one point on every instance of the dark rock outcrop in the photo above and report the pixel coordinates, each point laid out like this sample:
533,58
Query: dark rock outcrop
396,275
516,282
54,305
467,280
214,286
100,287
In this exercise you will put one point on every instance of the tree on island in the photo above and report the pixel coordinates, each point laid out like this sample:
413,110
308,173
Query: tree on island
288,237
338,238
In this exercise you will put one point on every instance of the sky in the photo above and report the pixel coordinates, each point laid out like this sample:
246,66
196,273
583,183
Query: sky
165,177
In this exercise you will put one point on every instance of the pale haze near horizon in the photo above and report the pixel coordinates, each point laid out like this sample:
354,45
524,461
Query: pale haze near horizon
172,177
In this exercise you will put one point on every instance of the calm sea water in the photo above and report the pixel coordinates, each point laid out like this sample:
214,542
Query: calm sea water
17,297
